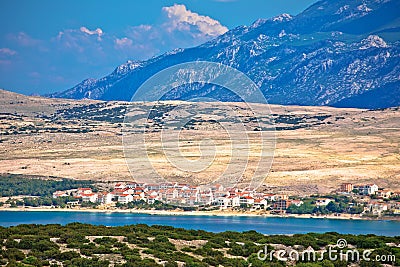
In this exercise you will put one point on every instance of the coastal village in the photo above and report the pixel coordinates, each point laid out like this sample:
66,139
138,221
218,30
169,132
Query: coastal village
365,199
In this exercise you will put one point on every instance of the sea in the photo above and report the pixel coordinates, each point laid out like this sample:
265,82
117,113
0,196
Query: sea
265,225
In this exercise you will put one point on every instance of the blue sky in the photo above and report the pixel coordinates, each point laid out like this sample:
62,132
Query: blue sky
48,46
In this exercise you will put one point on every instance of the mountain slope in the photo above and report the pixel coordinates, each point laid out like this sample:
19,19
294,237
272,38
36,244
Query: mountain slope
337,53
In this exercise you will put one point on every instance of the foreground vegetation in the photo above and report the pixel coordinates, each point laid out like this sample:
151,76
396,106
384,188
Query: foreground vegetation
141,245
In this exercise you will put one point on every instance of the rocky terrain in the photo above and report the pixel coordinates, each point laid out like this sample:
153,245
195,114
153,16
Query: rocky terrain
317,148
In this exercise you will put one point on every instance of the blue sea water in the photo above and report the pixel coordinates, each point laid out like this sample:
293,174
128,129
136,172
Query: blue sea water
265,225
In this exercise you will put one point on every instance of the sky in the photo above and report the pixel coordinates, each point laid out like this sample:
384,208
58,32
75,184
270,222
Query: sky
48,46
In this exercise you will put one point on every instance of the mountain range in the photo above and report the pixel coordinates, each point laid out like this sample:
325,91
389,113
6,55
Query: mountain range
341,53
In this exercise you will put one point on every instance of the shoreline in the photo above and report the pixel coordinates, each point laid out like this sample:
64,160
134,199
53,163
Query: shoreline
200,213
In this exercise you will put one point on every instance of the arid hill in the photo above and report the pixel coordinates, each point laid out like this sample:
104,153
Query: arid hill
317,148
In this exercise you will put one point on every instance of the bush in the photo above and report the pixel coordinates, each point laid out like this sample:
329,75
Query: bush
68,255
43,245
13,254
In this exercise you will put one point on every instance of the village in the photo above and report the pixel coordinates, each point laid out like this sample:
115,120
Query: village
366,200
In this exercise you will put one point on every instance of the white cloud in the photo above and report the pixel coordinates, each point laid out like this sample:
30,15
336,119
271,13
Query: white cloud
81,52
144,27
180,28
70,39
182,19
137,32
23,39
99,32
7,52
80,40
124,42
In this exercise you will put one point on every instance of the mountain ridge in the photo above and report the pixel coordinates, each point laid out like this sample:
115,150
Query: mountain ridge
330,54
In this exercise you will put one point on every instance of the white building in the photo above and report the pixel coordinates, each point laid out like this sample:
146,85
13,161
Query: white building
119,186
125,198
376,207
166,185
222,202
60,194
246,200
89,197
228,202
323,201
105,198
368,189
260,203
385,193
171,194
234,201
152,187
83,190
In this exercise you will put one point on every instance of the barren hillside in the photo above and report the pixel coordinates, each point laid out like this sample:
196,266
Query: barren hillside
317,148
